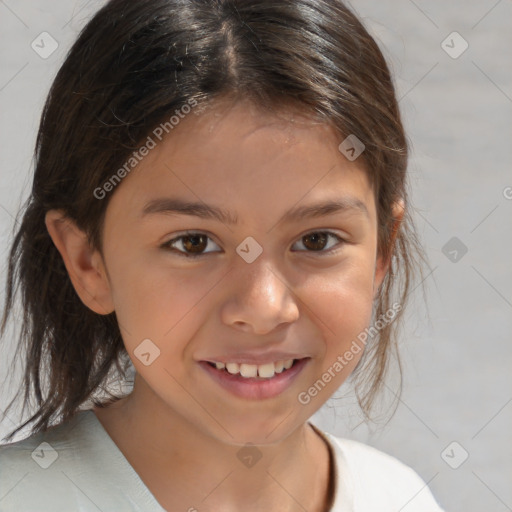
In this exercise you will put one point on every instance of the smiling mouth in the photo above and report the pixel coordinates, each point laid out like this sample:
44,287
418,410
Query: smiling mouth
255,381
255,371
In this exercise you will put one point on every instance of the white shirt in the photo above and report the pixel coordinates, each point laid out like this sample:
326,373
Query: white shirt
76,466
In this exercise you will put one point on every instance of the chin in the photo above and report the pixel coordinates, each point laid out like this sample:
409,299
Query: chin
262,429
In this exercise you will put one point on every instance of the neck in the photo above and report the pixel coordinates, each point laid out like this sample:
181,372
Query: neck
289,475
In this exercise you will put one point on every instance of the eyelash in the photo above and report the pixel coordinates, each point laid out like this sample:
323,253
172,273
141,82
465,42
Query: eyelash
168,245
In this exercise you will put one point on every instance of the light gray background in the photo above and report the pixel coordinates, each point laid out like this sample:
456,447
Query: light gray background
458,116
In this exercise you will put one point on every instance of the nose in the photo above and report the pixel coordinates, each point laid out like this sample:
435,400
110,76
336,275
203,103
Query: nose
259,299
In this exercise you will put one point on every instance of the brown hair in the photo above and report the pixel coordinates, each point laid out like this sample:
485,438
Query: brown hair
132,66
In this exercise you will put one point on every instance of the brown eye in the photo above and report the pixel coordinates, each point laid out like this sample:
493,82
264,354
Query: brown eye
195,243
190,244
319,240
315,241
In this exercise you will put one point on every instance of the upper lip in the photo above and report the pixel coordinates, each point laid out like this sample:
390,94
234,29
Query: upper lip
252,358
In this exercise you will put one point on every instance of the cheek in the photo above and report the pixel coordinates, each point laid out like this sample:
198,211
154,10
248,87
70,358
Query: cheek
343,303
343,306
158,303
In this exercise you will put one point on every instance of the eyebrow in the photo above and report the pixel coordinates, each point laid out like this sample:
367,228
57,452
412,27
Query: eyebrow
204,211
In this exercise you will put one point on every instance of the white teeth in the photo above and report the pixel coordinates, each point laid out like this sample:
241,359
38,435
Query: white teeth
279,366
264,371
248,370
233,368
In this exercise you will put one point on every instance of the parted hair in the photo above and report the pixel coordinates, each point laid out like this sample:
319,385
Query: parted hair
133,65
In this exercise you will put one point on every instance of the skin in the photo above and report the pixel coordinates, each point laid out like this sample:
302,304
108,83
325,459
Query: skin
178,428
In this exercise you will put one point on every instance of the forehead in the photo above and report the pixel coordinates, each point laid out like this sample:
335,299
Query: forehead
253,159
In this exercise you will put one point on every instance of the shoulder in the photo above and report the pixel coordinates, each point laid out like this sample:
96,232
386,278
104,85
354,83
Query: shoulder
368,460
32,469
34,449
71,466
379,481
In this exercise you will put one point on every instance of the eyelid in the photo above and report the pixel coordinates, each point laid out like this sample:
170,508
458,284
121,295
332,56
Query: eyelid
329,233
177,237
332,250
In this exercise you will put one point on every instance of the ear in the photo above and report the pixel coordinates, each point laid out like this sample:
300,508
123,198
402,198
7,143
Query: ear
382,265
84,265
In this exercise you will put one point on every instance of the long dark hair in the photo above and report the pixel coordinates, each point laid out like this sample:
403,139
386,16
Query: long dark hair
133,65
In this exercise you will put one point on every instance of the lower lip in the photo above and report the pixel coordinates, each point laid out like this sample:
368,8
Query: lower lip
254,388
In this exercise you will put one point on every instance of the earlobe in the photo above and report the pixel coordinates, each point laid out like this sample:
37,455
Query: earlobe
83,263
382,265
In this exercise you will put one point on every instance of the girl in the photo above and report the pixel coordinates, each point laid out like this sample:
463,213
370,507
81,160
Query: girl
220,199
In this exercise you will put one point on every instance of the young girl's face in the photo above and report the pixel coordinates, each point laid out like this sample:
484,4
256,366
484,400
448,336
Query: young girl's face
277,277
